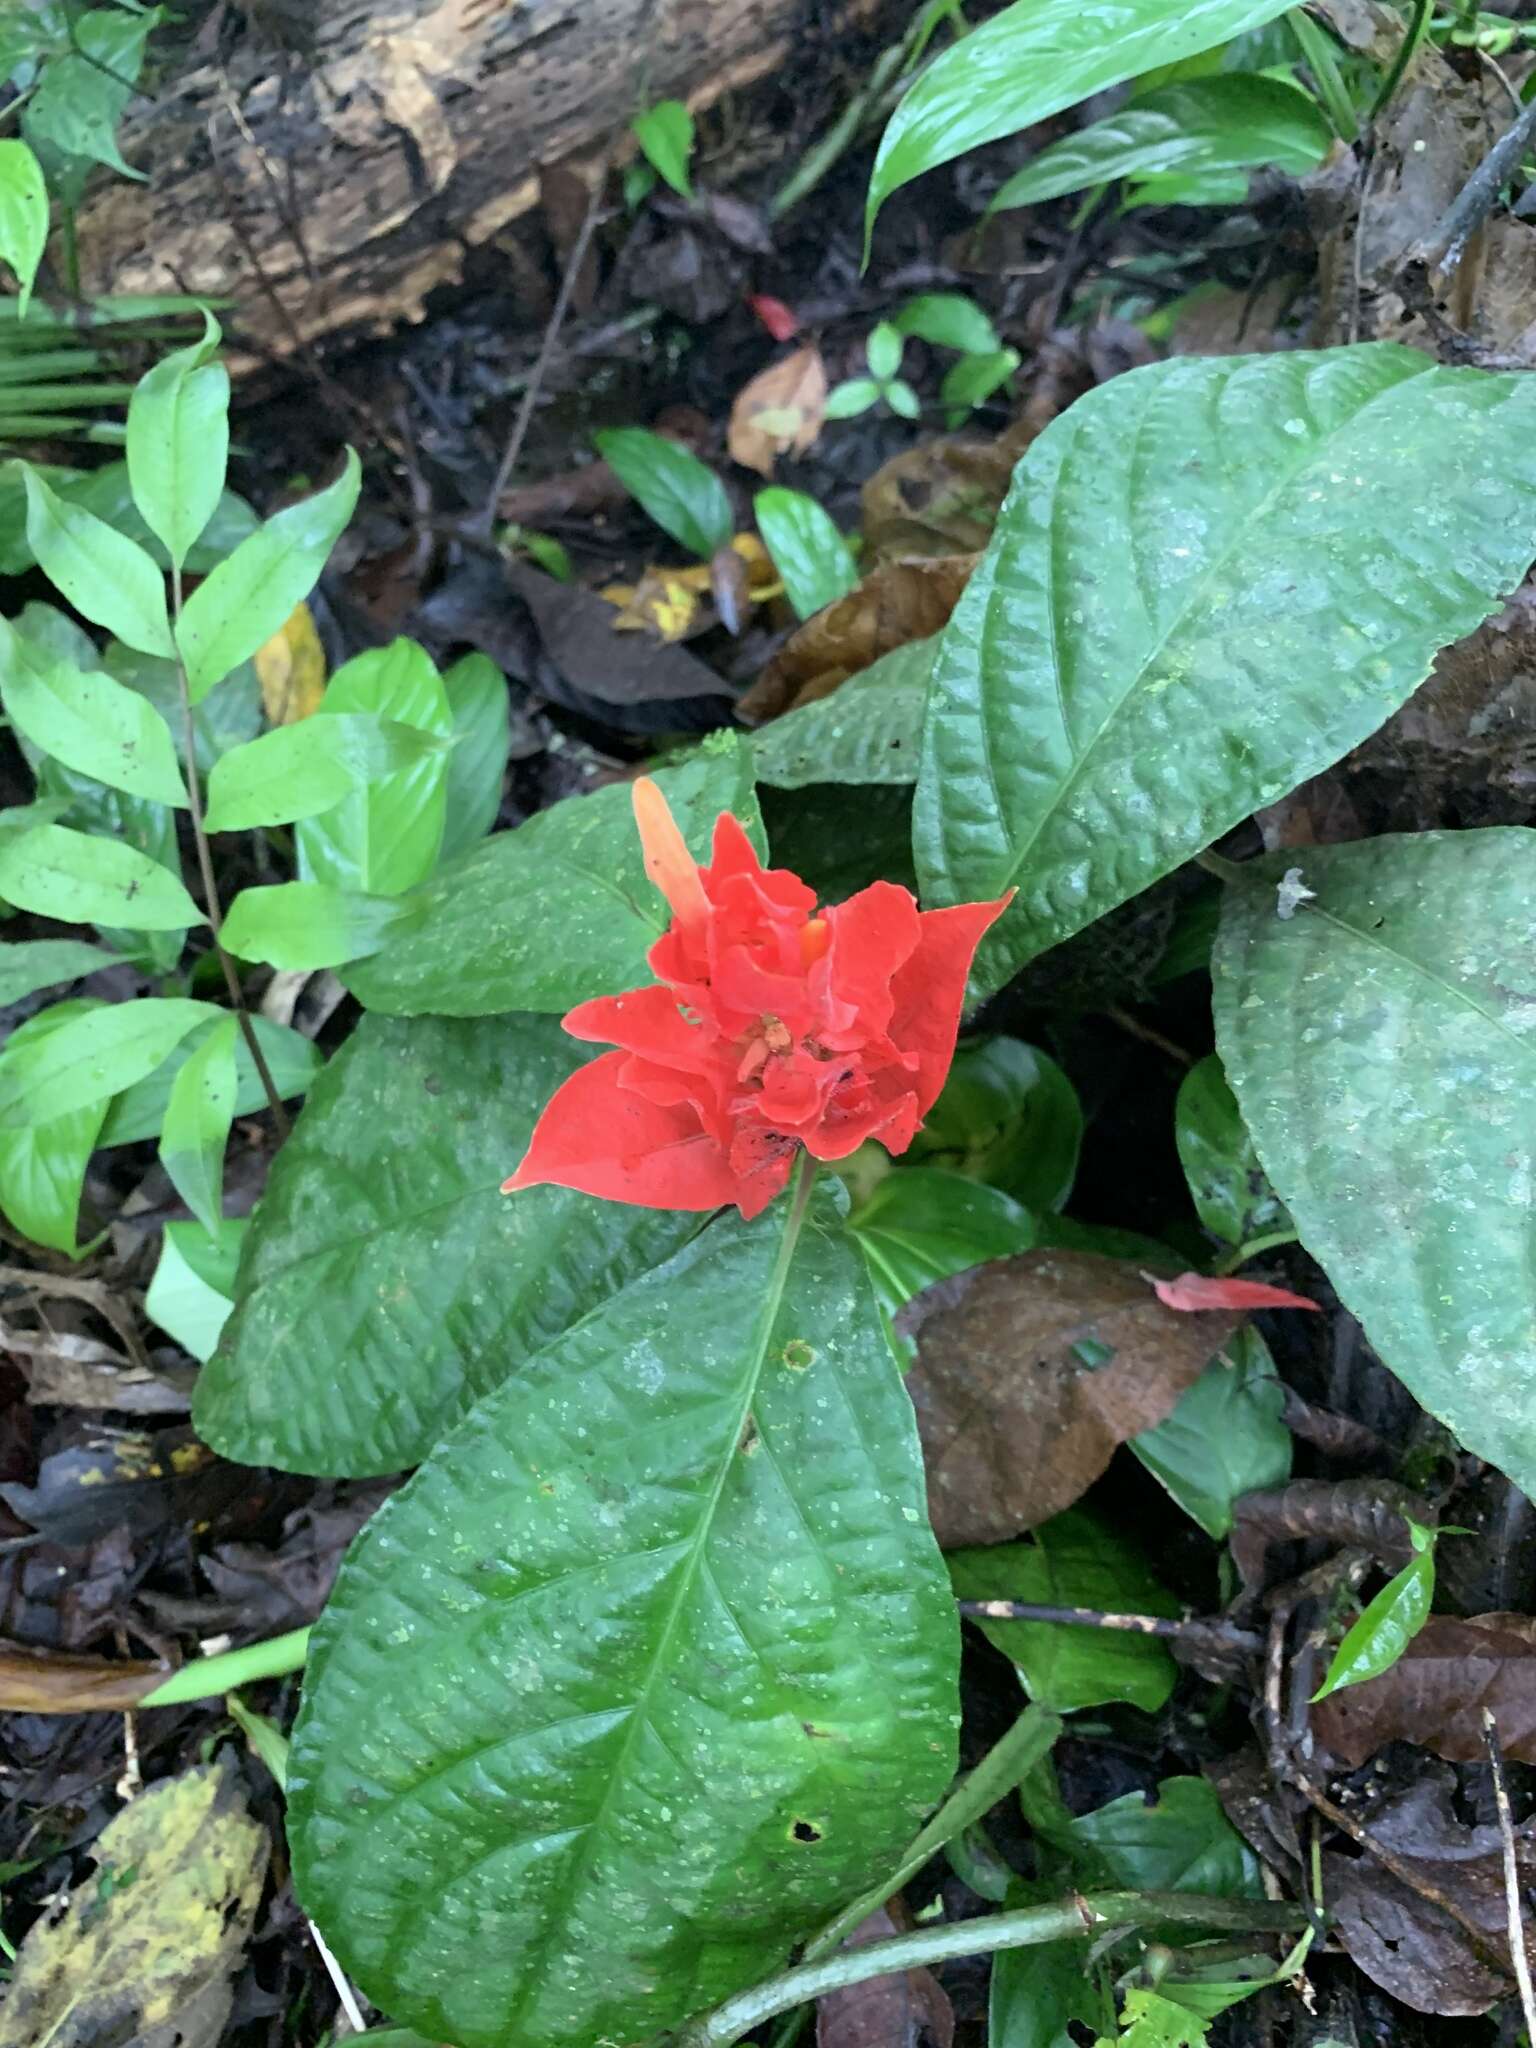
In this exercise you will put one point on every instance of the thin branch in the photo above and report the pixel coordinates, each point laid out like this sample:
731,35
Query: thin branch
1443,247
1512,1902
1214,1629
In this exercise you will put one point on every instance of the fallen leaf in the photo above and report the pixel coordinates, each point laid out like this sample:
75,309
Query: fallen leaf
48,1682
279,1589
662,603
291,669
110,1476
1030,1372
1193,1291
1435,1694
780,412
896,603
940,497
781,322
1361,1514
142,1952
898,2010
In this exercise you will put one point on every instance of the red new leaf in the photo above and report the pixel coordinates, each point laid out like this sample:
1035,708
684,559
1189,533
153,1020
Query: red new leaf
780,320
1195,1291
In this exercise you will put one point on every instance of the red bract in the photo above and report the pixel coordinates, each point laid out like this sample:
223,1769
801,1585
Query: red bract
1195,1291
770,1027
778,318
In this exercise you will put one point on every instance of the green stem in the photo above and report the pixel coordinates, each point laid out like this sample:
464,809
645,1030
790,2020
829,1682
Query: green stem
207,1677
1407,50
1251,1250
1223,870
1069,1920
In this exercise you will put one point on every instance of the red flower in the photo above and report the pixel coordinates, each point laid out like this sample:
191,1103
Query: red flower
778,318
768,1028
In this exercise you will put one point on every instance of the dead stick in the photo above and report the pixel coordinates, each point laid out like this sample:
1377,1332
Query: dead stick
1195,1629
1442,249
1517,1954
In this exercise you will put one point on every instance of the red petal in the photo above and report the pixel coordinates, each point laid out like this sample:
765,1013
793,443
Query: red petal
605,1140
871,935
929,991
646,1021
780,322
1195,1291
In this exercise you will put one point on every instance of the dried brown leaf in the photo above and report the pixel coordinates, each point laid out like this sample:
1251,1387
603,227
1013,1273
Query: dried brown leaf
47,1682
1030,1371
895,2011
780,412
1434,1695
1365,1514
939,498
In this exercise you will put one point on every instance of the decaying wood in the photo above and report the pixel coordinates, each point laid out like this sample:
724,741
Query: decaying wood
334,189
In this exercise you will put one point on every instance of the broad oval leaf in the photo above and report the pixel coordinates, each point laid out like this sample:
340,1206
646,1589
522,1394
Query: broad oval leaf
375,1308
42,1165
1033,59
91,1057
921,1224
811,556
665,133
1007,1114
107,577
1382,1045
292,1061
1211,578
89,722
1206,125
190,1294
869,729
298,771
23,216
178,442
672,1718
1226,1437
482,735
80,879
558,910
307,925
682,495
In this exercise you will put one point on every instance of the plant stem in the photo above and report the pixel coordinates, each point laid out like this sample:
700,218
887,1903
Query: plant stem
210,884
206,1677
1251,1250
1407,50
1070,1919
1223,870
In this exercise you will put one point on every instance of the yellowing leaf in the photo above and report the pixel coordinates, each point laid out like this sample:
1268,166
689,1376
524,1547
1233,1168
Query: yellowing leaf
780,411
291,669
143,1953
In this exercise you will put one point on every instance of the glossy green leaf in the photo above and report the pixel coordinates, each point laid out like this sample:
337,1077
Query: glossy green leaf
868,730
296,771
1033,59
190,1294
665,133
1234,1200
684,498
811,556
178,442
385,837
91,1057
251,594
1211,578
197,1121
1228,122
81,95
139,1112
854,395
1188,188
56,872
477,767
44,963
23,215
674,1720
1380,1045
307,925
554,912
920,1225
1074,1560
106,577
1225,1437
1181,1843
1388,1623
950,320
1009,1115
1036,1992
42,1165
375,1307
89,722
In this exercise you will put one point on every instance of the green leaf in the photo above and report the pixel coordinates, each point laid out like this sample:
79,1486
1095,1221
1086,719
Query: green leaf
139,1112
902,399
1073,1561
1205,125
42,1167
1151,2021
920,1225
297,771
665,133
23,215
1225,1437
1379,1044
683,497
108,493
1389,1623
306,925
190,1294
868,730
1032,60
698,1704
228,716
1035,1993
1184,1843
809,553
1234,1200
91,1057
56,872
386,836
1211,578
89,722
106,577
1008,1115
178,442
949,320
375,1307
972,381
854,395
477,767
44,963
1188,188
883,351
81,95
197,1121
559,910
251,594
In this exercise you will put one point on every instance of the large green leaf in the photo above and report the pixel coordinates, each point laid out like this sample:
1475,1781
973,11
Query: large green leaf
178,442
1032,60
375,1304
868,730
649,1670
1211,578
1226,1437
921,1224
42,1166
1382,1045
554,912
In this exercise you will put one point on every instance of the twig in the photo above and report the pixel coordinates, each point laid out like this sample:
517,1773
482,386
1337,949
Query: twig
1517,1952
1213,1630
1149,1036
94,1293
337,1975
1443,248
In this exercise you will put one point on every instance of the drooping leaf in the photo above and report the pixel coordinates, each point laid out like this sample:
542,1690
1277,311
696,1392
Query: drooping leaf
921,1224
374,1309
1225,123
665,133
477,767
867,730
1225,1436
1380,1047
298,771
178,442
949,319
192,1291
1234,1200
44,963
697,1705
1033,59
42,1165
107,577
972,381
306,925
249,596
685,498
1007,1115
1388,1623
808,551
558,910
91,1057
197,1121
89,722
82,93
23,215
1211,578
56,872
292,1061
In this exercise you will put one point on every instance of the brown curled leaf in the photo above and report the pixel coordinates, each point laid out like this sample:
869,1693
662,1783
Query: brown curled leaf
1435,1694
